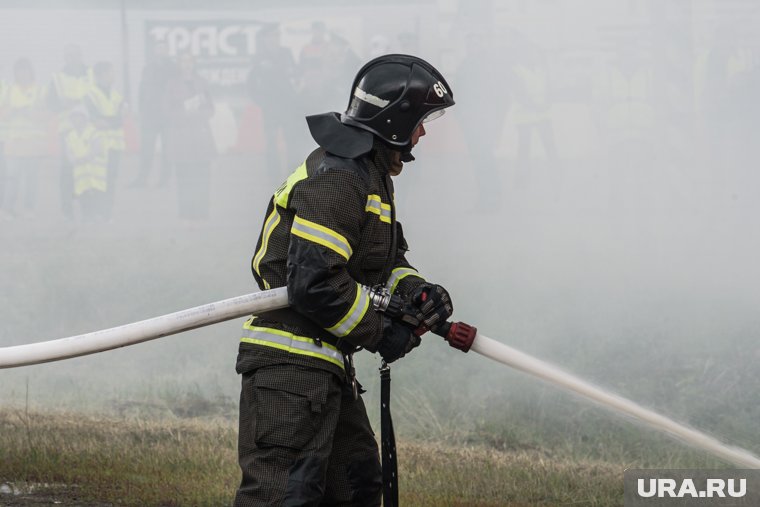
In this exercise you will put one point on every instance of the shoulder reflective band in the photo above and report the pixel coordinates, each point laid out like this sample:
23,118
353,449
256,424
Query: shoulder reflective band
354,315
282,194
399,274
321,235
379,208
269,224
291,343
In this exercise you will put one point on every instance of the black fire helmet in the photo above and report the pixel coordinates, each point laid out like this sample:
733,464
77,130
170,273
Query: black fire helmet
392,94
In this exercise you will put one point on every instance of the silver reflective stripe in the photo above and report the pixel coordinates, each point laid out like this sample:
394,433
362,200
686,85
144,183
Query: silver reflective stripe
321,235
376,206
397,275
291,343
354,315
368,97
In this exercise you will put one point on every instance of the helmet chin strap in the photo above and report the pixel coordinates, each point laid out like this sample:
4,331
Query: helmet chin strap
406,156
406,152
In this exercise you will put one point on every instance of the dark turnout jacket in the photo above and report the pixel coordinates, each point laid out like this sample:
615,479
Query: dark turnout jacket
329,232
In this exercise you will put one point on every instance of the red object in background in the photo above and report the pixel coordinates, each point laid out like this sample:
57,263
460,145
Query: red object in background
131,133
250,139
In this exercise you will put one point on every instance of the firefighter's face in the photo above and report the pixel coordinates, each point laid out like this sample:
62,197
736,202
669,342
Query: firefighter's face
419,132
396,164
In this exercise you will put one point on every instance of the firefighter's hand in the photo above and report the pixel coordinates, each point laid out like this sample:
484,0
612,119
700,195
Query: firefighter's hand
433,302
397,341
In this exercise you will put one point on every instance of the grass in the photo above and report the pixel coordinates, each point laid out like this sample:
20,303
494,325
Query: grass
435,474
193,462
475,433
127,462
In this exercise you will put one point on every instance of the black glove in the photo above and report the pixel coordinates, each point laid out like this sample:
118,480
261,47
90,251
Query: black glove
433,302
397,341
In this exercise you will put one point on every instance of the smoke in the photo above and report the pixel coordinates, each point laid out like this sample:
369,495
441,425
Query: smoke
591,199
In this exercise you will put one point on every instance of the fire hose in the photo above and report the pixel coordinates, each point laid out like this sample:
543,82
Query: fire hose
459,335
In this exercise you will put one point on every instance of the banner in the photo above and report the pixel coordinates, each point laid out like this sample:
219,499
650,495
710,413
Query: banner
222,48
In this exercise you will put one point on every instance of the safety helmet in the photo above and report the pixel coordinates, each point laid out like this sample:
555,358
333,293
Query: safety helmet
392,94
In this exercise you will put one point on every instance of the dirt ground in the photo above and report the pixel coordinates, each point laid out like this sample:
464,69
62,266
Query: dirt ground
24,494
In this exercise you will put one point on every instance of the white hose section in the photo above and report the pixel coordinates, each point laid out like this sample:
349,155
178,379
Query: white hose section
257,302
521,361
144,330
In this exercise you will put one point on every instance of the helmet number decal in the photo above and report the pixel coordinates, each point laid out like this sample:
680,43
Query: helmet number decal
439,89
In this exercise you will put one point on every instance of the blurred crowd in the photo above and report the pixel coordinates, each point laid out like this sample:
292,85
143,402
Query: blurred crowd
642,98
76,115
647,108
80,117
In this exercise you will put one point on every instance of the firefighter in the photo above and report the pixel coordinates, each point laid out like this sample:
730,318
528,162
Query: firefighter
330,231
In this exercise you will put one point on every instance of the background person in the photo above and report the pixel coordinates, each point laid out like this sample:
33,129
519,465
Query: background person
68,88
86,149
156,75
26,142
106,108
190,143
271,86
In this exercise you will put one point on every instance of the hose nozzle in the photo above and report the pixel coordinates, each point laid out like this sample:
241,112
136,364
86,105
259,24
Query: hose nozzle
458,334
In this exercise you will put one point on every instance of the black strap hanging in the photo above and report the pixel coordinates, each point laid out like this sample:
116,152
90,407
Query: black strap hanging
388,440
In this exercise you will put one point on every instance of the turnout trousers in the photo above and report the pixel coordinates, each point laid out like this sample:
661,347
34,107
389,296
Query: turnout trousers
304,440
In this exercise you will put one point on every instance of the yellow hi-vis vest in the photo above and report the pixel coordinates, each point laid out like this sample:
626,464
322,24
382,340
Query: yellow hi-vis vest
26,127
109,106
71,89
87,151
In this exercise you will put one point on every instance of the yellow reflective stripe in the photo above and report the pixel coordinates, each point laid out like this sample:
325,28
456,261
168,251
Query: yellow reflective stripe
93,170
378,207
399,274
84,183
355,314
282,194
321,235
291,343
269,225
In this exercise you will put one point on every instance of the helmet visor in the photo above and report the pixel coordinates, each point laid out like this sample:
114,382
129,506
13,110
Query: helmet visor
432,116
